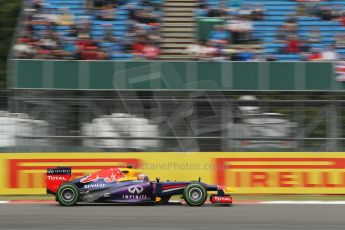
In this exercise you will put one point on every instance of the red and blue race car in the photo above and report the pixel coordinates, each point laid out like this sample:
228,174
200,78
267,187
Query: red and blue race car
123,185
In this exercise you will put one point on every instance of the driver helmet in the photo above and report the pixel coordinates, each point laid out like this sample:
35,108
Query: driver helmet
143,177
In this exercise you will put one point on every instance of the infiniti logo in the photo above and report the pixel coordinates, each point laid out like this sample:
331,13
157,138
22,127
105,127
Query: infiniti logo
135,189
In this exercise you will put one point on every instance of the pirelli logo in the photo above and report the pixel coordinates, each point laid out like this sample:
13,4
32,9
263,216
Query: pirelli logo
256,173
30,173
281,172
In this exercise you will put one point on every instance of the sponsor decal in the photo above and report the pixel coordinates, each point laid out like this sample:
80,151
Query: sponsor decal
57,178
59,171
250,172
135,189
281,172
108,175
221,199
134,197
98,185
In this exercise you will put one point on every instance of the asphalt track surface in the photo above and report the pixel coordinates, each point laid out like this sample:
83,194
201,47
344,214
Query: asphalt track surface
245,216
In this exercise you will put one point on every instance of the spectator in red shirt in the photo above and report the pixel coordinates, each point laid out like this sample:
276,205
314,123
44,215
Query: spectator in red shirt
138,46
342,19
151,51
83,43
315,55
292,44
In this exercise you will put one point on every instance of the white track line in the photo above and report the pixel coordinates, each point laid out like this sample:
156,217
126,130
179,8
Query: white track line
239,202
302,202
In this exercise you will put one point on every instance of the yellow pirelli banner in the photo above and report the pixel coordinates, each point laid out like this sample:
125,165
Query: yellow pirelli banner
265,173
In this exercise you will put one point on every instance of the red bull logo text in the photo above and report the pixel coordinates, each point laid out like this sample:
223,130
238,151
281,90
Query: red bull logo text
108,175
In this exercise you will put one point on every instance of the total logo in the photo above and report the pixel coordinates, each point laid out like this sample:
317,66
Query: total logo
56,178
219,198
135,189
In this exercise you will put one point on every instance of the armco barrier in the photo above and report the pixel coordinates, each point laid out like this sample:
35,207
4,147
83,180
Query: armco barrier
109,75
284,173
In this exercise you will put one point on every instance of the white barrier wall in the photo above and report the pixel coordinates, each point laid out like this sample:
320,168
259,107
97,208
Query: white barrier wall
15,125
119,125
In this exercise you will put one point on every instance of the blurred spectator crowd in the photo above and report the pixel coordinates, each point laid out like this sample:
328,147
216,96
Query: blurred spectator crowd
89,30
307,44
252,30
285,29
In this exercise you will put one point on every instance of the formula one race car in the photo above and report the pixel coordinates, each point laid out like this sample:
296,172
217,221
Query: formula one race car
123,185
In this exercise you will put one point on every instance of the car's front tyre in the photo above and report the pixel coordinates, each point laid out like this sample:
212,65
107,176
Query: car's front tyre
67,194
195,195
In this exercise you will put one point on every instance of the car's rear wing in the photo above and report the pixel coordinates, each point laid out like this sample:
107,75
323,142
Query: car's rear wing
56,176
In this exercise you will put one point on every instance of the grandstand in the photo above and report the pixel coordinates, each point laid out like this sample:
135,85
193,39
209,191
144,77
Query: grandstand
90,30
278,12
283,19
284,30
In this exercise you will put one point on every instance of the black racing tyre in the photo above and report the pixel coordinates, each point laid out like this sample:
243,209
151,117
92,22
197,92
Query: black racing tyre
195,195
67,194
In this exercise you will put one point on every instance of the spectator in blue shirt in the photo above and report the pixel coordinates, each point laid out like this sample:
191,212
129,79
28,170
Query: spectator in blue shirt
69,48
219,37
245,55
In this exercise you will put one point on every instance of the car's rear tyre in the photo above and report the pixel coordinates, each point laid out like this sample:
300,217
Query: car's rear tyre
67,194
195,195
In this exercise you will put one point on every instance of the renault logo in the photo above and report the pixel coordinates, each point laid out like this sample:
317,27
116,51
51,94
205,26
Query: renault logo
135,189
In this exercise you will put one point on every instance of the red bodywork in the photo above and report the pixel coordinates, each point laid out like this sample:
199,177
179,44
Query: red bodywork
55,177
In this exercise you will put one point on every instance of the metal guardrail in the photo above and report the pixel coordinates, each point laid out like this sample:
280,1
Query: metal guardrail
185,121
180,137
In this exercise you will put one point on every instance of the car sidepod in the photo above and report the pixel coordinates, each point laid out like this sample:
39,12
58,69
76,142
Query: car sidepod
117,192
133,192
